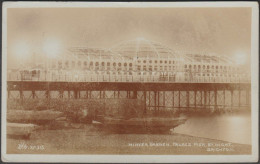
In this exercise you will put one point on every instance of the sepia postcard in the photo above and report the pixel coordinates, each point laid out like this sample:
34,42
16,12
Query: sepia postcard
154,82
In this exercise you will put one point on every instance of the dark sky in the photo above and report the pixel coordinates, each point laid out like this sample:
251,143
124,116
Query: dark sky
224,31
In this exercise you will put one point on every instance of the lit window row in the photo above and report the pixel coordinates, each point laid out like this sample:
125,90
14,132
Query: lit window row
156,61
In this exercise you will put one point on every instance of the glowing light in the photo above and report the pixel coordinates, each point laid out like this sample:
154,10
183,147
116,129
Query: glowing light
52,47
140,38
21,49
240,58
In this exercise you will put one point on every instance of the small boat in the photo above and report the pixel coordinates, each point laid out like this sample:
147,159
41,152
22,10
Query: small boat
21,130
30,116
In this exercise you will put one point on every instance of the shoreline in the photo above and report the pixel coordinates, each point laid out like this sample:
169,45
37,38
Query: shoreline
91,141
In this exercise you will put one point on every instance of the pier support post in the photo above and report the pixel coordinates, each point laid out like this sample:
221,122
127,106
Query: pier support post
155,103
158,103
231,99
247,98
33,94
201,99
216,98
21,96
104,94
149,99
8,94
224,99
173,99
144,101
164,98
195,99
188,99
205,99
209,100
179,99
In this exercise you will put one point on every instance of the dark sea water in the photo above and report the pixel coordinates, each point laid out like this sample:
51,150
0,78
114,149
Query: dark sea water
235,128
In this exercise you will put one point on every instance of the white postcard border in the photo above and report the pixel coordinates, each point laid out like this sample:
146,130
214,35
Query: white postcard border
137,158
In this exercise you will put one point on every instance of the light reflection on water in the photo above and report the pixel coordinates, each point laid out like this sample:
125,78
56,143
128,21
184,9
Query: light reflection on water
232,128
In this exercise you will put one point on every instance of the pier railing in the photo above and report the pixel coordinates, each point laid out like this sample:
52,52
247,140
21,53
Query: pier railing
124,78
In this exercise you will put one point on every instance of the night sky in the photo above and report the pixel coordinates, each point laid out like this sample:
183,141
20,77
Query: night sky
225,31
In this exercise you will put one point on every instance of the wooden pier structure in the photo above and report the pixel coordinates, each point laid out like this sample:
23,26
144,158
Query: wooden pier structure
156,96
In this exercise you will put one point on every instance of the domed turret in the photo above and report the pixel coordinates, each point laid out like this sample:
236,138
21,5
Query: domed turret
143,48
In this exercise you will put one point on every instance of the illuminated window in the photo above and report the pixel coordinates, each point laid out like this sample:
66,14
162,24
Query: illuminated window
160,61
119,64
150,61
150,68
67,64
170,62
194,66
139,68
91,65
165,61
103,64
125,64
189,66
203,66
144,61
155,68
114,64
108,64
130,66
155,61
199,66
97,66
208,67
144,68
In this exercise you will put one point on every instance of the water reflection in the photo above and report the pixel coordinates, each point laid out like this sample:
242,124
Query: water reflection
233,128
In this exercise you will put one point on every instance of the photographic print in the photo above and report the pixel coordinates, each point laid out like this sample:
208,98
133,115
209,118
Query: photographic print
115,82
